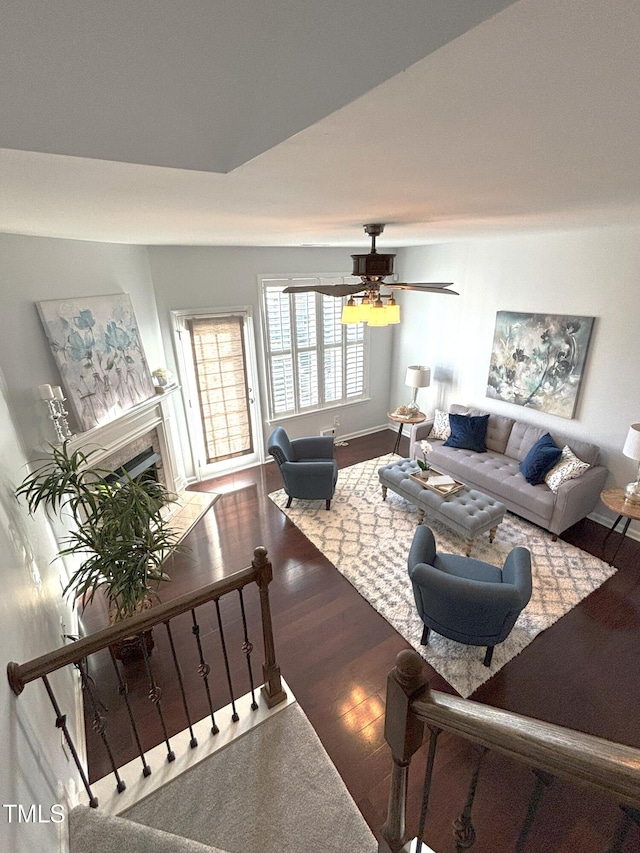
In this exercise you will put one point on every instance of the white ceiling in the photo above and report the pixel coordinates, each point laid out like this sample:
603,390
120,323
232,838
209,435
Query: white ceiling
236,122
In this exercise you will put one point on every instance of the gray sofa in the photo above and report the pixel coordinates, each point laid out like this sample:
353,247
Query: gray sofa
497,473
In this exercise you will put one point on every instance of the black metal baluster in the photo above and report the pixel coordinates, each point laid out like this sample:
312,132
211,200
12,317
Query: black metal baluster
155,694
463,830
61,723
247,648
99,724
194,741
234,715
543,780
204,669
123,690
629,817
428,776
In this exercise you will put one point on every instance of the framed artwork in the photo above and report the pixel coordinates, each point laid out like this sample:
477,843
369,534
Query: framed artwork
537,360
96,344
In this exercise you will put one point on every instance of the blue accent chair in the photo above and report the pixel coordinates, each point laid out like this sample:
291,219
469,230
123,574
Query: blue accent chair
465,599
308,468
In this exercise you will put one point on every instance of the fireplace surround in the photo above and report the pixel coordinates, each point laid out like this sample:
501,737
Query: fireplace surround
150,424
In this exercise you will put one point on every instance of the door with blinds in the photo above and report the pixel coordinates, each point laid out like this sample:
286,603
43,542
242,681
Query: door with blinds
218,364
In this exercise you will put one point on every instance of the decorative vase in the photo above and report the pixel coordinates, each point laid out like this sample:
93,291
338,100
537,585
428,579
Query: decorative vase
424,475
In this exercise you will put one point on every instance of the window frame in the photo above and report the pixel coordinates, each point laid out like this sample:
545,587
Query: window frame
278,282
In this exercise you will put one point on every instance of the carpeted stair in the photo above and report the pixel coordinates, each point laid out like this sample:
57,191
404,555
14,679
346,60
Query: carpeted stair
90,831
273,789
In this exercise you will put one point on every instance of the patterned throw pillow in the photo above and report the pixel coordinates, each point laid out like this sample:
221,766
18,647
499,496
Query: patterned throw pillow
440,429
568,468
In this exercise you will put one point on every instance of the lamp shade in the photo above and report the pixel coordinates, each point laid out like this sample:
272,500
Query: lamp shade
378,314
632,444
418,376
350,312
393,311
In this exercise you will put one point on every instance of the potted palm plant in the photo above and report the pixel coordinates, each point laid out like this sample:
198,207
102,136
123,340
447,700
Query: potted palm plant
117,528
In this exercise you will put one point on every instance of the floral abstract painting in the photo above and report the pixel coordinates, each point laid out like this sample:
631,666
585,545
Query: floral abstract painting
96,344
537,360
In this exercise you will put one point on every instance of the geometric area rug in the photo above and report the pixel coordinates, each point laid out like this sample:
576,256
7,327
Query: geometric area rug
368,540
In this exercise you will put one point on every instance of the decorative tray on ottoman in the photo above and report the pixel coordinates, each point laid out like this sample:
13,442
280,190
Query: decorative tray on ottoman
441,484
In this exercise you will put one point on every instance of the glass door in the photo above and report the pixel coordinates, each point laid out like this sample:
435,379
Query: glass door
218,375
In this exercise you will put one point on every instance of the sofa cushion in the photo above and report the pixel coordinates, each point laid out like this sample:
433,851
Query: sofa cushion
523,437
468,432
498,428
498,432
541,458
457,409
440,429
568,468
495,475
584,450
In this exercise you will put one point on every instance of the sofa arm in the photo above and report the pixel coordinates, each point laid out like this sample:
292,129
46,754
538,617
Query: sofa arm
575,499
419,432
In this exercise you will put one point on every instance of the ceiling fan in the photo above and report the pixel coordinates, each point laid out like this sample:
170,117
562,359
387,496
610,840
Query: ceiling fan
372,269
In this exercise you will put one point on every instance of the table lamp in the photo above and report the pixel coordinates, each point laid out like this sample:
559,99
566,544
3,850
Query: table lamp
632,450
417,377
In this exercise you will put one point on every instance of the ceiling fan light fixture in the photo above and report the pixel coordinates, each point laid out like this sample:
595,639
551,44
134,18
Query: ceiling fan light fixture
378,314
393,311
351,312
365,309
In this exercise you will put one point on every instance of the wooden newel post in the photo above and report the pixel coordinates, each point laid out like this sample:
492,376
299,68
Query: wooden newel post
272,691
404,733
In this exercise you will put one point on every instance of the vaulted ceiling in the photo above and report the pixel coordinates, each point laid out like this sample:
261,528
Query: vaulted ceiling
235,122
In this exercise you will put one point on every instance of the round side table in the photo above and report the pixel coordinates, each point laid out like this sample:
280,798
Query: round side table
400,419
614,500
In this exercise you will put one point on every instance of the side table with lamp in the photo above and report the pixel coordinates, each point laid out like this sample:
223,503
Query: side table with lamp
625,502
417,376
402,419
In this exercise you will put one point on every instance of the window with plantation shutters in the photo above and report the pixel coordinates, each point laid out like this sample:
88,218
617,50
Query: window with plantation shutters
313,361
220,376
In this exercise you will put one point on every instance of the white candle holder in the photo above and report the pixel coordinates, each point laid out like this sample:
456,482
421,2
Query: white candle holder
55,400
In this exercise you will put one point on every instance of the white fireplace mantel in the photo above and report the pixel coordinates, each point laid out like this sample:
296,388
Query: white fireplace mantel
110,437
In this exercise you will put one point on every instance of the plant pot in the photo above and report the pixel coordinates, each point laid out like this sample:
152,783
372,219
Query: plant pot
424,475
130,648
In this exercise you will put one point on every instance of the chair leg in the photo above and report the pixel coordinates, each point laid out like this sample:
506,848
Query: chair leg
425,635
488,656
329,504
289,501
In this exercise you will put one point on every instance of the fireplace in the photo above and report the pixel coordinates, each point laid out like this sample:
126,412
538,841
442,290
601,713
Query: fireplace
141,438
144,466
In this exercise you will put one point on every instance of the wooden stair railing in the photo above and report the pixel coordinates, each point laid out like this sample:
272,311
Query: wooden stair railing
260,572
604,766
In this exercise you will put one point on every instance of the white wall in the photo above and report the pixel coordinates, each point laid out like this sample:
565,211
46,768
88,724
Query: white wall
34,769
213,278
37,268
591,272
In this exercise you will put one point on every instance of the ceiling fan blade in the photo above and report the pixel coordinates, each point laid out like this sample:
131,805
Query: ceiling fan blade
338,290
423,287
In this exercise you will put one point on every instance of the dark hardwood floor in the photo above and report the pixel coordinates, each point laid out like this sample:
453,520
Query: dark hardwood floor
335,652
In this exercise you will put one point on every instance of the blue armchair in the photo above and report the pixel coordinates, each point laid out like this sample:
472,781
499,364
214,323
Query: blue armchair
464,599
308,468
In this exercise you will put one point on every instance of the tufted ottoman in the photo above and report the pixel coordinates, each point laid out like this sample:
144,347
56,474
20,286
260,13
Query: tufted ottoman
468,512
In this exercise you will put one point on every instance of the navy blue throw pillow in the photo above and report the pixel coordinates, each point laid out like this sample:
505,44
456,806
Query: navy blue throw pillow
468,432
541,458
